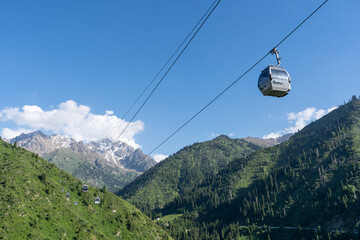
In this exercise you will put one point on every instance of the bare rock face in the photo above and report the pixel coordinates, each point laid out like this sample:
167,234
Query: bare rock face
137,160
103,152
41,143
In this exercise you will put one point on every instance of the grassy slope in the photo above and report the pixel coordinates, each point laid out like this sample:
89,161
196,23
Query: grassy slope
182,171
32,204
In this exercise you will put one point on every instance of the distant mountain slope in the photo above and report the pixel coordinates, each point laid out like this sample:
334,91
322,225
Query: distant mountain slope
309,184
138,161
33,205
268,142
182,171
42,144
284,137
99,163
97,174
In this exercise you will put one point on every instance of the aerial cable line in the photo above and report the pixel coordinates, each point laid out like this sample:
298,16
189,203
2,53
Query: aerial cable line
233,83
177,58
166,63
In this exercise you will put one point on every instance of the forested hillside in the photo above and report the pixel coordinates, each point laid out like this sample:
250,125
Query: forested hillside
40,201
179,173
305,188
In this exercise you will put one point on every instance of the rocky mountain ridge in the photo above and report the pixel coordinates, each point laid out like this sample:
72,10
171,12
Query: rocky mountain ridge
117,154
268,142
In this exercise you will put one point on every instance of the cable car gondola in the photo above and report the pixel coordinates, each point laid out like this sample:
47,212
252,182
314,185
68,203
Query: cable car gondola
273,80
97,200
85,188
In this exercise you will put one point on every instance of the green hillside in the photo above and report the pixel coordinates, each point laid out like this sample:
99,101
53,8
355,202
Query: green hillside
98,176
179,173
305,188
33,205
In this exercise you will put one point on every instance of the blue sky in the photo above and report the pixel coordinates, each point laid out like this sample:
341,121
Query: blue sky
68,59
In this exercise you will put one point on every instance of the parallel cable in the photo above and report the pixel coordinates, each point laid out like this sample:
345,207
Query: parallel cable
162,68
177,58
166,63
233,83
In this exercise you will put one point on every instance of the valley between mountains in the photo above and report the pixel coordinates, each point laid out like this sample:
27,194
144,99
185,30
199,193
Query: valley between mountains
301,186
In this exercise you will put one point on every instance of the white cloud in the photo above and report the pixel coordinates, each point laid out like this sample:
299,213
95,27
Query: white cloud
72,120
214,135
8,133
159,157
300,120
273,135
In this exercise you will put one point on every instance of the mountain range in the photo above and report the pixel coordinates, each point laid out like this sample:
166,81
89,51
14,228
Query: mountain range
99,163
299,186
304,188
180,172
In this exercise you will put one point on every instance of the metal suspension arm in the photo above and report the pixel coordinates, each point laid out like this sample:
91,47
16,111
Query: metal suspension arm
276,52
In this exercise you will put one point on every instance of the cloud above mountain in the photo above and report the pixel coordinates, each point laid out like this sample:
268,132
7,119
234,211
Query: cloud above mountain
159,157
71,120
299,120
8,133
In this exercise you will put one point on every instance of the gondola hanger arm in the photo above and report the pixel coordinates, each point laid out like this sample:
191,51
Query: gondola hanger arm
276,52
